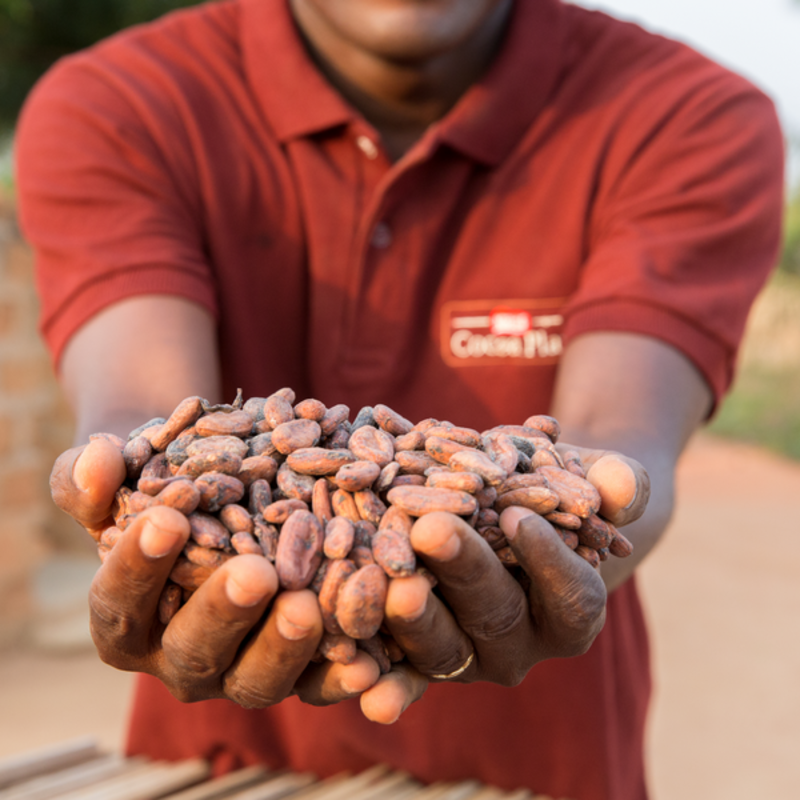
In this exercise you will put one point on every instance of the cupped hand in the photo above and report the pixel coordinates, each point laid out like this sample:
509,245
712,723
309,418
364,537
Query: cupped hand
236,637
486,625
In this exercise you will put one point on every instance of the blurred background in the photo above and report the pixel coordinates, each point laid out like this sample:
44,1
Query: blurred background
721,592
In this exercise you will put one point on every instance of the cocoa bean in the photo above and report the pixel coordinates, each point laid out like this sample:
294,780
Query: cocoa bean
217,445
321,501
546,424
279,511
344,505
370,506
413,440
339,533
208,531
294,485
182,495
361,600
236,518
136,453
392,551
333,417
186,413
217,490
390,420
372,444
318,460
462,481
260,496
299,550
338,648
169,603
375,648
439,449
357,475
189,576
244,543
479,463
310,409
223,461
296,434
577,495
536,498
338,571
420,500
277,410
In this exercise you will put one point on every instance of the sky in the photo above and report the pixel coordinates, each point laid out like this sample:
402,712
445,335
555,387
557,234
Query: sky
759,39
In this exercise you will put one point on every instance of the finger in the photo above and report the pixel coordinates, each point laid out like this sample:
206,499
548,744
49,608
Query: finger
485,599
624,487
393,694
84,480
123,600
567,595
272,660
203,638
425,629
323,684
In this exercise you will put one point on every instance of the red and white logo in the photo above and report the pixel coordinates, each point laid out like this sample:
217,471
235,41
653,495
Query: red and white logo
494,332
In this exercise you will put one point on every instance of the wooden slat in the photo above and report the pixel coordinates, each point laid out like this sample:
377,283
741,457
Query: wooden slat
53,784
223,787
283,785
46,759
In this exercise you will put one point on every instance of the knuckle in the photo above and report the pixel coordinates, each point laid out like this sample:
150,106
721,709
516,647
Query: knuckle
245,693
579,615
188,656
497,622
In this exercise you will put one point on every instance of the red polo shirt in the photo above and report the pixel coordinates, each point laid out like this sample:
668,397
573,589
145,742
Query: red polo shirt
597,178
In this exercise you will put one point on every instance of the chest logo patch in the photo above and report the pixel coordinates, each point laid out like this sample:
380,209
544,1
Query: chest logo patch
501,332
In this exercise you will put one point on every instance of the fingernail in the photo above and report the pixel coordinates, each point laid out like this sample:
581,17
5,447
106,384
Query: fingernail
78,470
510,519
157,542
290,630
242,596
446,550
418,613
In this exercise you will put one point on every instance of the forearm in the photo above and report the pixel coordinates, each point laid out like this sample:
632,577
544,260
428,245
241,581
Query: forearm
638,397
137,360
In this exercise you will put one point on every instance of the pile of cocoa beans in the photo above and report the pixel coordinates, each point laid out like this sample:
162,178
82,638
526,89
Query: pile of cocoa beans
331,501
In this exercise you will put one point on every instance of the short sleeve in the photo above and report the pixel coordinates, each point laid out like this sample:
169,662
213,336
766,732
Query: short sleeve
108,213
687,219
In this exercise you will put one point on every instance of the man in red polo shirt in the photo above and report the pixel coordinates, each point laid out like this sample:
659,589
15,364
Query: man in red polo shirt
469,210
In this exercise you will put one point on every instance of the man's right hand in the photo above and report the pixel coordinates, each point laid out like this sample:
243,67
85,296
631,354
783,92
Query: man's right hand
237,637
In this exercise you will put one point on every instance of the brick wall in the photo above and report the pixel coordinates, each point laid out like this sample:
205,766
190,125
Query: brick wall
35,425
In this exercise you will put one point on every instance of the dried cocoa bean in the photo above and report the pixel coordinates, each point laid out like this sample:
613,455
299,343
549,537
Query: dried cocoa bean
357,475
577,495
375,648
372,444
333,418
186,413
189,576
480,464
463,436
321,501
462,481
413,440
244,543
420,500
169,603
338,541
439,449
208,531
299,550
217,490
344,505
318,461
392,551
359,607
295,435
217,445
536,498
370,506
182,495
391,421
338,571
310,409
136,453
546,424
279,511
294,485
338,648
277,410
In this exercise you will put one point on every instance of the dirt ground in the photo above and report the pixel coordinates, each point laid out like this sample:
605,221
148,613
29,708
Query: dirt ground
723,596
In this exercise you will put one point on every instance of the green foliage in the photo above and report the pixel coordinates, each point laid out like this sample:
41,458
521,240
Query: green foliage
790,258
34,33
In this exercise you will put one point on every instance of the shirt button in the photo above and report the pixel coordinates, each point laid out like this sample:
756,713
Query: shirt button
381,236
367,147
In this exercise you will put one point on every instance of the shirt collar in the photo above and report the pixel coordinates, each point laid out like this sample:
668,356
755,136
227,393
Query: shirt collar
485,123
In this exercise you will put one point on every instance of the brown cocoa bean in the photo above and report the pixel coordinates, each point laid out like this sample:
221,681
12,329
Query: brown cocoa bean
420,500
390,421
507,557
480,464
176,449
569,537
536,498
186,413
494,537
546,424
361,600
299,550
466,437
254,406
321,501
338,648
533,435
257,468
225,423
310,409
333,418
267,536
594,532
424,425
244,543
370,506
182,495
357,475
216,445
361,556
563,520
408,480
572,463
217,490
502,451
371,444
620,545
279,511
155,475
339,533
318,460
518,481
204,556
487,516
236,518
195,466
136,453
440,449
294,485
486,497
589,554
208,531
189,576
364,532
462,481
397,519
110,536
386,477
261,445
338,571
413,440
295,435
392,551
577,495
277,410
344,505
259,496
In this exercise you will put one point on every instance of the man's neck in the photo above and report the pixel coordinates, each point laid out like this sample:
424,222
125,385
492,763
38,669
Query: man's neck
401,98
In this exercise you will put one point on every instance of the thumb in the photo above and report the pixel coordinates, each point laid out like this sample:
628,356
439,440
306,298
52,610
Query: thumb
567,596
85,479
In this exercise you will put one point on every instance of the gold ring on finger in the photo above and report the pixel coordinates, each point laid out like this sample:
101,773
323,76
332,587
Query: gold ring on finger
455,673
